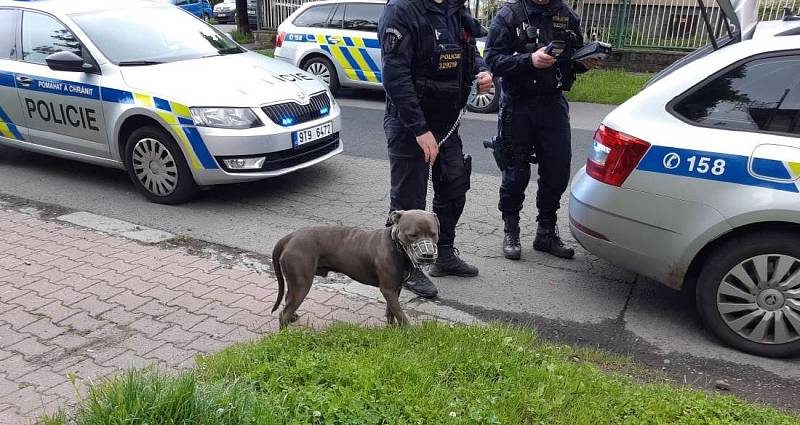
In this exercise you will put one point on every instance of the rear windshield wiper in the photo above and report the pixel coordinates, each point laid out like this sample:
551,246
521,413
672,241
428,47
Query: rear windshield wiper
139,63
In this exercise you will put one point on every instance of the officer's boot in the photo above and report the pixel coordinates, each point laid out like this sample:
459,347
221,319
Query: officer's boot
419,284
547,240
511,246
449,264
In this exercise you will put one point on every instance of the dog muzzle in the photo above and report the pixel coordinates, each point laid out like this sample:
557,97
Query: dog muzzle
423,252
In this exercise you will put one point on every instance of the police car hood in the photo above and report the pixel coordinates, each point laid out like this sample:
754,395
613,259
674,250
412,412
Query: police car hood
241,80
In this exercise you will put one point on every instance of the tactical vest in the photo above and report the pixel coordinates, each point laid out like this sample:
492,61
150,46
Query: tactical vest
441,74
533,35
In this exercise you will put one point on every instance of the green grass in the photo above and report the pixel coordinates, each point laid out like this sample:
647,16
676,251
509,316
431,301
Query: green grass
607,86
429,374
266,52
242,38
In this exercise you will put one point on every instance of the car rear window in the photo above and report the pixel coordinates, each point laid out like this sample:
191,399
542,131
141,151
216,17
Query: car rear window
8,28
760,95
362,17
314,17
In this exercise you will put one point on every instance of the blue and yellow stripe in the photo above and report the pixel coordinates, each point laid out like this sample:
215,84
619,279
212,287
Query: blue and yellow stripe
177,116
7,127
349,52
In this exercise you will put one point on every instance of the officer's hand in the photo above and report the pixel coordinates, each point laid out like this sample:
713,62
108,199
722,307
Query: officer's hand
428,144
542,60
484,80
591,63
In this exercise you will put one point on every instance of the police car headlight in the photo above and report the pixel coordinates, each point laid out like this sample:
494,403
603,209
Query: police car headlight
234,118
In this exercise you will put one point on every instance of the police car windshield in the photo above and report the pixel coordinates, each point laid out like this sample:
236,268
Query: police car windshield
152,35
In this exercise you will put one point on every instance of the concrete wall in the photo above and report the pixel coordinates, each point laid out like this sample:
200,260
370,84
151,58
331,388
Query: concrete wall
642,60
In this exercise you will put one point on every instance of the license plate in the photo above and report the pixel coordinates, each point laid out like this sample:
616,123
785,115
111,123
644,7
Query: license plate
311,134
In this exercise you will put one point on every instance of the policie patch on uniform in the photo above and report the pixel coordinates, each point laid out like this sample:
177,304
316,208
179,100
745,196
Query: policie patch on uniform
391,39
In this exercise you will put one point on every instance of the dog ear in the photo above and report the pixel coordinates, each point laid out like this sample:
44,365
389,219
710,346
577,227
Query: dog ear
394,216
438,226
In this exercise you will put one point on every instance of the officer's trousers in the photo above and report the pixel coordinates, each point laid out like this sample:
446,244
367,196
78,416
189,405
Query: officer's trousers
409,176
540,127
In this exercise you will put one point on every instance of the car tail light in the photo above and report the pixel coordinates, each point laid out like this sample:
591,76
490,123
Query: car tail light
279,39
614,156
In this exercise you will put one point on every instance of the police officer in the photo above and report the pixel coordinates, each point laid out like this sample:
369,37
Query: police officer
429,63
535,110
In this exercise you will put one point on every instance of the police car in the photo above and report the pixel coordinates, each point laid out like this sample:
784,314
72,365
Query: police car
338,42
132,85
695,182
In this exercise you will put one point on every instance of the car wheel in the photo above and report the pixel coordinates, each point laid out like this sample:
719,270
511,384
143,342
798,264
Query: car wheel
158,168
748,294
486,103
323,69
206,18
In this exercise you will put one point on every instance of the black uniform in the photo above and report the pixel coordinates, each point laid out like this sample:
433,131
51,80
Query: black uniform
534,115
539,113
429,62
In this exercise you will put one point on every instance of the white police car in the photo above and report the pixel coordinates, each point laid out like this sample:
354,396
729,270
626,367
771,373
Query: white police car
696,181
134,85
338,42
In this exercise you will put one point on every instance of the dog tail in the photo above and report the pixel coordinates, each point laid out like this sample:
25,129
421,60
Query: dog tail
276,265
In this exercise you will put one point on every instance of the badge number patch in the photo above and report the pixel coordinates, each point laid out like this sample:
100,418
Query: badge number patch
391,39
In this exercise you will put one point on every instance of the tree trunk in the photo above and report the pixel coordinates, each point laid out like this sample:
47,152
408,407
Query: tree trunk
242,24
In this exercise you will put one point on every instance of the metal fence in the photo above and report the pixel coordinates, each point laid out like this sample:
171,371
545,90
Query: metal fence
276,11
660,24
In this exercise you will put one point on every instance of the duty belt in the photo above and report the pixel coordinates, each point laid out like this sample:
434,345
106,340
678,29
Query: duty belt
539,99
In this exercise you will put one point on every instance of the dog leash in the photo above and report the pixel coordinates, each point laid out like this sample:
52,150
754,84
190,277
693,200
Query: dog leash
429,192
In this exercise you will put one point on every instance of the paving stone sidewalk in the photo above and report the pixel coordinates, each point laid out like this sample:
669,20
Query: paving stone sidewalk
74,301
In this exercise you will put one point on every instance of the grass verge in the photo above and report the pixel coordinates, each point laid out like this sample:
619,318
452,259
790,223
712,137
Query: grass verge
428,374
607,86
266,52
242,38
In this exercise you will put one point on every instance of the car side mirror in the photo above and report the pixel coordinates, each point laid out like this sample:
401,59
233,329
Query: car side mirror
67,61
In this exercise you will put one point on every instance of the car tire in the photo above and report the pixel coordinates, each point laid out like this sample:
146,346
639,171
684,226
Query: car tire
206,18
486,103
766,261
158,168
322,68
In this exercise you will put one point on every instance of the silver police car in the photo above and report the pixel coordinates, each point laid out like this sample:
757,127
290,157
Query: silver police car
694,182
338,42
136,85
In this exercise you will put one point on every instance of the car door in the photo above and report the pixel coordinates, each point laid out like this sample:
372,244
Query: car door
183,4
322,25
362,50
61,109
196,8
12,121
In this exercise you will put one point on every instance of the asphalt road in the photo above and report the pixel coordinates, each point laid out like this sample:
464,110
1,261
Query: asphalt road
363,133
586,301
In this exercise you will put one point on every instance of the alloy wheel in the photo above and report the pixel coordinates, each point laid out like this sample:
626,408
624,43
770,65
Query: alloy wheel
759,299
154,166
481,101
320,71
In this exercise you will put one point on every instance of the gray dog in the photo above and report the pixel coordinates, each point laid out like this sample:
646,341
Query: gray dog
382,258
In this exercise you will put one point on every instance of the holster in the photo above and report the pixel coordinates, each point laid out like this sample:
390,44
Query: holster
519,152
